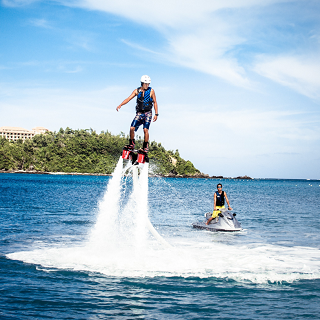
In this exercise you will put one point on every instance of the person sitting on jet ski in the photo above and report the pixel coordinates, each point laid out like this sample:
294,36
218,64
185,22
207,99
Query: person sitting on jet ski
146,99
218,202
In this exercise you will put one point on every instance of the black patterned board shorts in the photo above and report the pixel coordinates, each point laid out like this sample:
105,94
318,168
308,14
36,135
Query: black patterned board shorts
142,118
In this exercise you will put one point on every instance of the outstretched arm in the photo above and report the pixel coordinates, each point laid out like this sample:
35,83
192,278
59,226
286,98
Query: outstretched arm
155,104
133,94
229,208
214,202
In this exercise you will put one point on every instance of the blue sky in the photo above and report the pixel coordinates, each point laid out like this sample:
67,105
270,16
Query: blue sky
237,81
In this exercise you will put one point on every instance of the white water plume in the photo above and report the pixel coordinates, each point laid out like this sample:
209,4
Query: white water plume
124,226
104,227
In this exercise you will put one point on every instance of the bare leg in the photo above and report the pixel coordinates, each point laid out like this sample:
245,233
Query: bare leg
209,220
132,132
146,134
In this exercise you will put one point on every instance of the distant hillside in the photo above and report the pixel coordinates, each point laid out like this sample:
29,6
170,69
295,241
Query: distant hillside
84,151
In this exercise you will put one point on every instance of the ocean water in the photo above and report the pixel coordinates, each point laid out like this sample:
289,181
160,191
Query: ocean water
122,247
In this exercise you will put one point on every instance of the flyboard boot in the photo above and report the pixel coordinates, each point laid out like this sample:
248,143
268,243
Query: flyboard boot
143,153
128,150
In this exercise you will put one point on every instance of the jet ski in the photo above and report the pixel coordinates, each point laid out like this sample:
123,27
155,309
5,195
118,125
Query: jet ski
225,221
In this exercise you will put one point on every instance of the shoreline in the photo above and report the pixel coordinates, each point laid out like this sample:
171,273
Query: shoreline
169,175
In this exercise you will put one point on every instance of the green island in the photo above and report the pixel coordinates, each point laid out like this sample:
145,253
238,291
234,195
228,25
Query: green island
85,151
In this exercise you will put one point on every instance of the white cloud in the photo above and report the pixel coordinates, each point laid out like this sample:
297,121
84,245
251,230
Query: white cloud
196,37
166,13
83,39
299,73
205,50
76,69
17,3
201,36
42,23
55,66
138,47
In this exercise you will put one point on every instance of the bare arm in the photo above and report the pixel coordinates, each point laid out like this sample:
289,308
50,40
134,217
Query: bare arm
155,104
214,202
133,94
225,195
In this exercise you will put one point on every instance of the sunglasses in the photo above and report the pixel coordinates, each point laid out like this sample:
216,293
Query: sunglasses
219,187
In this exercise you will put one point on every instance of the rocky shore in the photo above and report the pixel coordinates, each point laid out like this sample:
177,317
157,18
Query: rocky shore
203,176
169,175
55,173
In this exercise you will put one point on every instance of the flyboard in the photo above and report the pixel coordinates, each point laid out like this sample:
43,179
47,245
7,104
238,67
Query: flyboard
136,156
225,221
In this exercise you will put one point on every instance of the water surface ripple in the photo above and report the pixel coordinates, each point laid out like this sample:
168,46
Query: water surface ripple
51,266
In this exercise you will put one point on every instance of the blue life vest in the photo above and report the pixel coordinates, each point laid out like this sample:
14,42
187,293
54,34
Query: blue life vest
144,103
220,199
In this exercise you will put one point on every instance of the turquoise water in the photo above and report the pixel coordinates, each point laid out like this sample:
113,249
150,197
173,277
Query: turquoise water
54,267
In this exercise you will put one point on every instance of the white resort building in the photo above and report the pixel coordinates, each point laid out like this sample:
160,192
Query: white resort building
16,133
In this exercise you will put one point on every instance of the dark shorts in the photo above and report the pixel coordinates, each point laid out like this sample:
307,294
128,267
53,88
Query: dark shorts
142,118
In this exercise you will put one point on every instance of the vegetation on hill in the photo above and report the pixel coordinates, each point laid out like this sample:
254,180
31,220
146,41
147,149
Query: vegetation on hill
83,151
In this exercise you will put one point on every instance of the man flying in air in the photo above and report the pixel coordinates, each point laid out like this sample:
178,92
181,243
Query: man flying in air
146,99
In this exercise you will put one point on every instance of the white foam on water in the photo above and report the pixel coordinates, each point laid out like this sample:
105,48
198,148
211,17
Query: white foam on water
124,243
255,264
